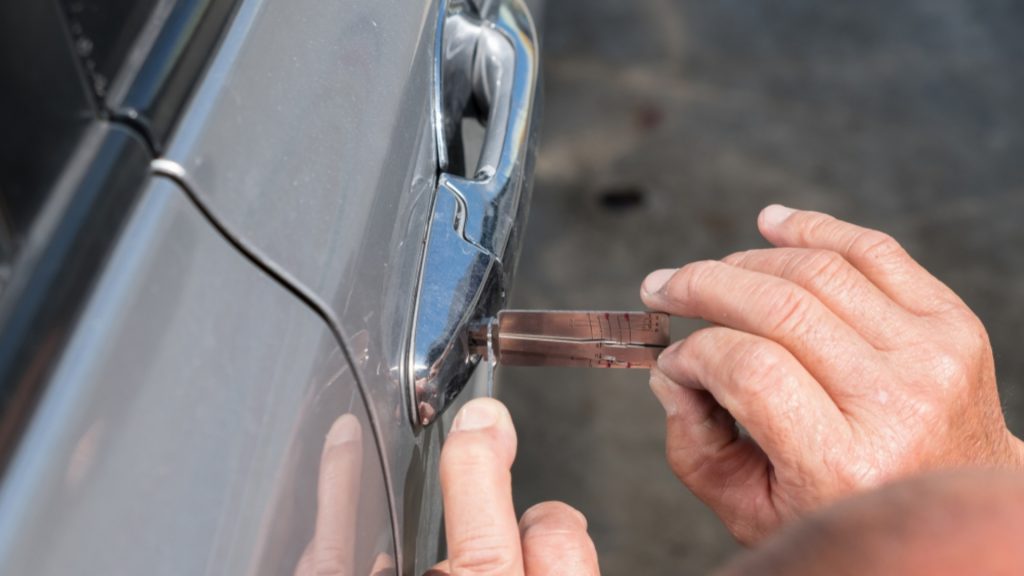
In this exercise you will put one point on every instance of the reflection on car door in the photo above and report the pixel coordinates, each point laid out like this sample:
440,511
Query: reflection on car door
183,429
311,136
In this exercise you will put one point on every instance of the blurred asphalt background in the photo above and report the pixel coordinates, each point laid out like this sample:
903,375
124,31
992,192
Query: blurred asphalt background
669,123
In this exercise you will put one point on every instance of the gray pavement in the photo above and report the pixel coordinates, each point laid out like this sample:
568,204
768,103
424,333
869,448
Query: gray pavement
670,123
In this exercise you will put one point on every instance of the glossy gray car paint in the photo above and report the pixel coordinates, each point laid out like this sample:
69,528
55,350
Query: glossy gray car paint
183,429
311,136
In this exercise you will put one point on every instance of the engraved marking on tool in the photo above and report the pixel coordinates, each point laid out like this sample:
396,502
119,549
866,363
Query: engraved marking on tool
573,338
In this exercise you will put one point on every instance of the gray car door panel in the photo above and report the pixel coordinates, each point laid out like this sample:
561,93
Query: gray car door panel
183,429
311,136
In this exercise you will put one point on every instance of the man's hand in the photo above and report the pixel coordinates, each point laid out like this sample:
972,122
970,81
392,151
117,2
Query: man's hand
939,524
482,532
845,361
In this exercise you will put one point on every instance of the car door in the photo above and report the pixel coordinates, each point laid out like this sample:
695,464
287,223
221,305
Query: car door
265,242
326,135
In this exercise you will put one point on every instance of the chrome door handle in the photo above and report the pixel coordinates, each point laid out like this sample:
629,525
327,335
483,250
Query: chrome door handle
487,62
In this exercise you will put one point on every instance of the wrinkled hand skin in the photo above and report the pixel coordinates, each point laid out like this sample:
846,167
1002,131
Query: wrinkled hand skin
847,364
480,523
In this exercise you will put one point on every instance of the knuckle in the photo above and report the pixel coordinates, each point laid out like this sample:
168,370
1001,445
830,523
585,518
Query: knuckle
947,305
693,346
738,258
971,331
824,268
814,226
790,308
942,374
692,280
875,246
958,334
483,554
758,366
950,370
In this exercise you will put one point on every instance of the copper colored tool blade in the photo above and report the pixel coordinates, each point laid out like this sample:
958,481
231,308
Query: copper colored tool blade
587,339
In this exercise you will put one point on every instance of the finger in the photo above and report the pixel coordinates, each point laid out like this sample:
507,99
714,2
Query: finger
341,466
838,285
476,483
556,543
705,450
765,389
877,255
699,428
771,307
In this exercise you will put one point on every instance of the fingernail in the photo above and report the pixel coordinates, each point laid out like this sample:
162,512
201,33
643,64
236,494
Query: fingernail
475,416
656,280
345,429
774,215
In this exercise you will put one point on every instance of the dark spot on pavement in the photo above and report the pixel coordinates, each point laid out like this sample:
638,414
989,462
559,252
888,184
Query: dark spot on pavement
622,198
648,117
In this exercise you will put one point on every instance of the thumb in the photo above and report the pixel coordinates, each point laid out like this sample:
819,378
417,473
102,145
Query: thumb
476,483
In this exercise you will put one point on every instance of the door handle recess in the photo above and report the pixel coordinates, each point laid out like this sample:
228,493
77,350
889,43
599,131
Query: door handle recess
486,66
